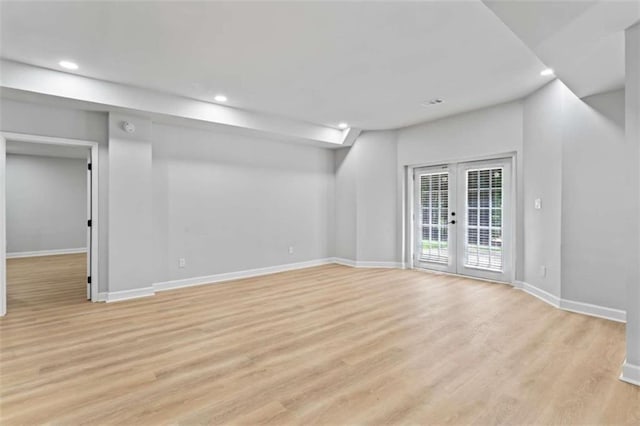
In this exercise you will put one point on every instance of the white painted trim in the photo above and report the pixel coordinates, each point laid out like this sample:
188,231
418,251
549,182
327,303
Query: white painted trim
518,284
589,309
630,373
593,310
16,255
344,262
119,296
95,234
543,295
367,263
229,276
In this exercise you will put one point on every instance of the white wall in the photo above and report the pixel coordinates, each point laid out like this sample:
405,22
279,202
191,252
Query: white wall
377,216
366,199
46,203
226,202
631,370
542,174
346,212
130,205
599,201
58,121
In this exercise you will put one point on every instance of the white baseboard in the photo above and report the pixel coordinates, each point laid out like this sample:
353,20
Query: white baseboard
543,295
568,305
16,255
612,314
367,264
119,296
594,310
344,262
630,373
229,276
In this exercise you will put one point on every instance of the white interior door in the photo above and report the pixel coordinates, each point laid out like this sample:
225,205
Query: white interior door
462,219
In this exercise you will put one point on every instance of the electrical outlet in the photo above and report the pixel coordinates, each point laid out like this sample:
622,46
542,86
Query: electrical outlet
290,249
182,262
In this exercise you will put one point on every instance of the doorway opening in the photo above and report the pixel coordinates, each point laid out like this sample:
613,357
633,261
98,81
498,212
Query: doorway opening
48,221
462,218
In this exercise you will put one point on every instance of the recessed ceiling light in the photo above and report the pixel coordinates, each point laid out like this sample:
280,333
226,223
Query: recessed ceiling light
343,125
68,65
546,72
220,98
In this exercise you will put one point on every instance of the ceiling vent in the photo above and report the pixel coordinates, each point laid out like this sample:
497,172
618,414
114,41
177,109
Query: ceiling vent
435,101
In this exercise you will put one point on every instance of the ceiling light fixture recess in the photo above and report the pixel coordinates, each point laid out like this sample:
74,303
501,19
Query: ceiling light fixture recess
343,125
546,72
220,98
68,65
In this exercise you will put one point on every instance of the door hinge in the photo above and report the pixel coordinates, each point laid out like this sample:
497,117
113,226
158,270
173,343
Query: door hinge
89,223
89,166
89,280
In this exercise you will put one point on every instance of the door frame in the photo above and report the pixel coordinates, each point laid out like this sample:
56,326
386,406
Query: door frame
409,208
94,249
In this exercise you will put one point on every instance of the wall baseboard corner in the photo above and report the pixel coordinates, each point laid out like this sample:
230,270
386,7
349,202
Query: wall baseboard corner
119,296
344,262
518,284
630,373
543,295
16,255
589,309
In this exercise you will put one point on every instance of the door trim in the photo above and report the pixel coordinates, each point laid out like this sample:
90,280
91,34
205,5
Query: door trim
408,244
22,137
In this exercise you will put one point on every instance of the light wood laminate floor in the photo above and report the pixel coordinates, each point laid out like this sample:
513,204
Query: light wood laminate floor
327,345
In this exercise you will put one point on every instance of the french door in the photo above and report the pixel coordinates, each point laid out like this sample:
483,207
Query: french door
462,219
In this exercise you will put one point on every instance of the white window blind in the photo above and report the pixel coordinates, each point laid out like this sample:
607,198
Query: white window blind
484,225
434,214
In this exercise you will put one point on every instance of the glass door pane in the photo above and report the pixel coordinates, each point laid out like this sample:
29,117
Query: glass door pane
434,204
483,230
434,243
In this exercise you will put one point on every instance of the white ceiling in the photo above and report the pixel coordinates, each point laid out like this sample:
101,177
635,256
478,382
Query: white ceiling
47,150
370,64
583,41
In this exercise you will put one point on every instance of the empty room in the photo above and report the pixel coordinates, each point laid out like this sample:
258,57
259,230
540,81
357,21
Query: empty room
307,212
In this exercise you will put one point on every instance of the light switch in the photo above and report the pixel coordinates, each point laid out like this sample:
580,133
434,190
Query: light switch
537,204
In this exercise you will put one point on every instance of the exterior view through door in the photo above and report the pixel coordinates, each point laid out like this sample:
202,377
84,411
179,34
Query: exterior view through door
462,219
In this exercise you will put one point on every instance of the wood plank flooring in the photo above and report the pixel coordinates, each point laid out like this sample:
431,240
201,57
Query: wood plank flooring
329,345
